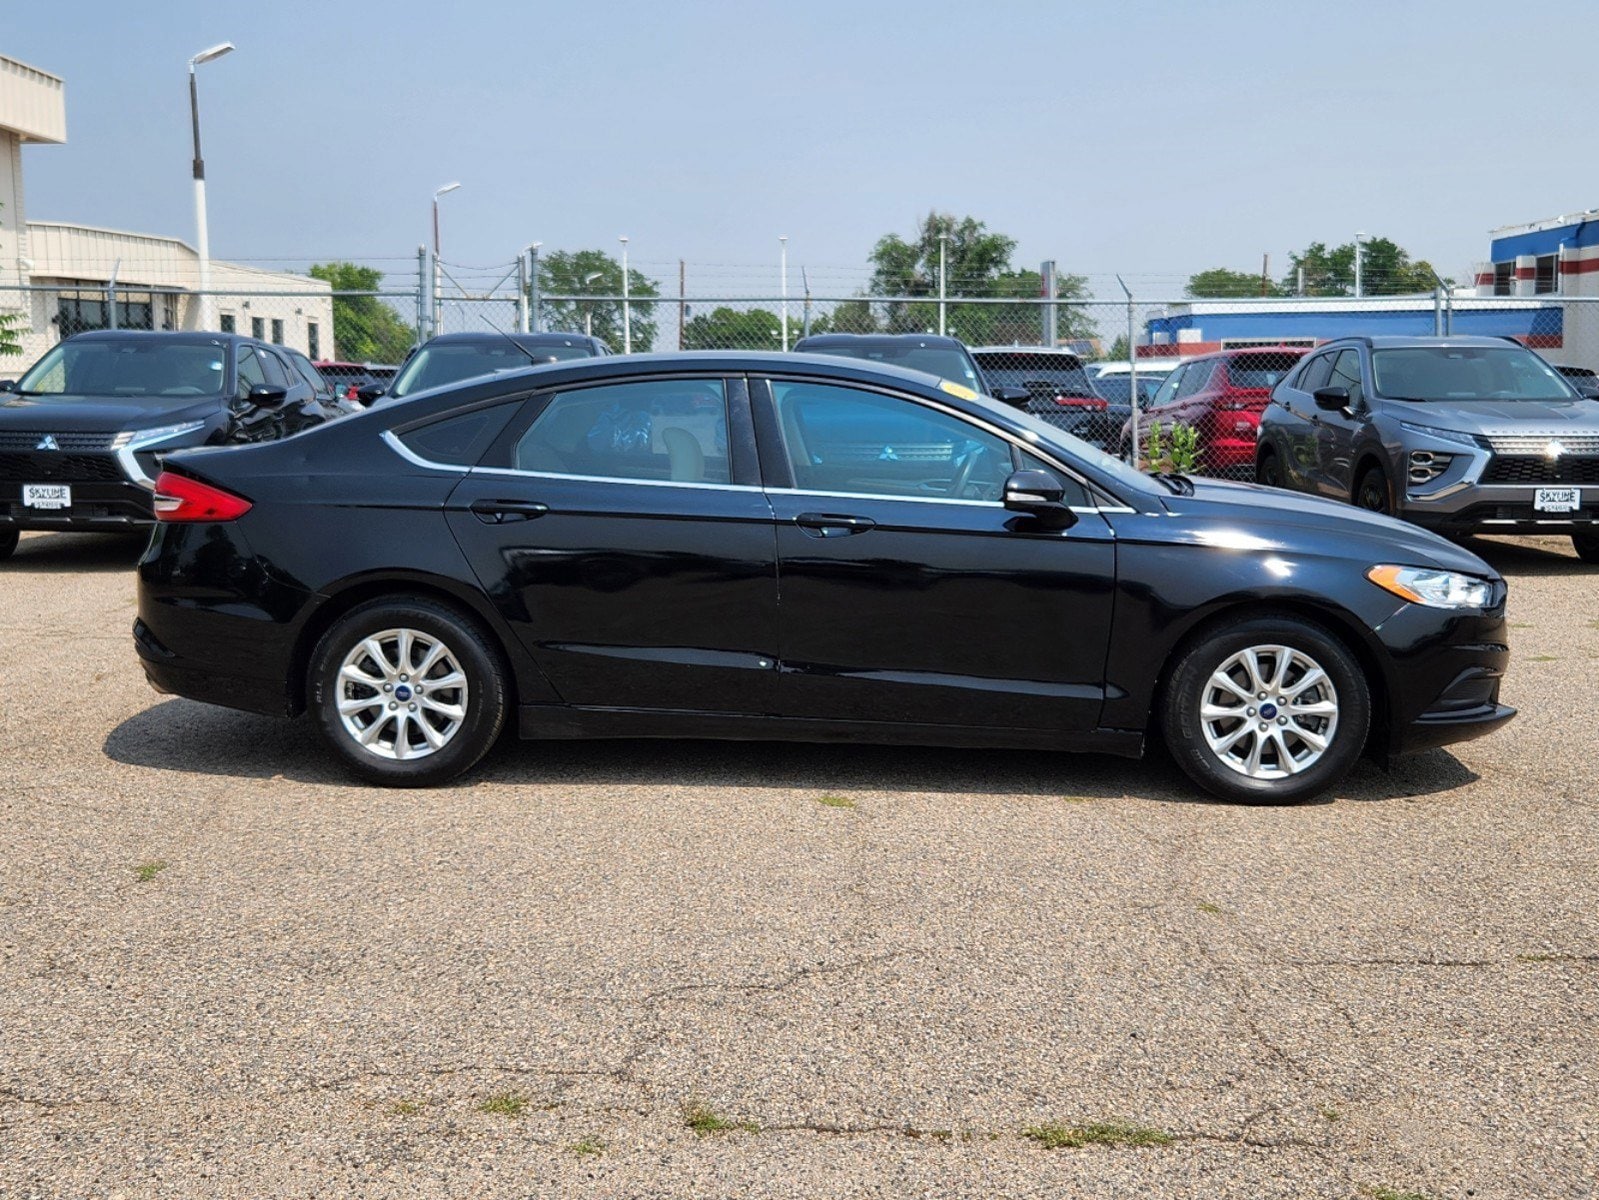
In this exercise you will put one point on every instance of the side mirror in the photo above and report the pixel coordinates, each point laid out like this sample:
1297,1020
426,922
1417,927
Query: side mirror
1332,399
267,395
8,385
1016,397
1039,494
1588,388
370,392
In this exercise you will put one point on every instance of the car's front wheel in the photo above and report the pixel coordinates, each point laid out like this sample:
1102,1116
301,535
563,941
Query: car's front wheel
408,692
1371,493
1269,470
1267,710
1587,546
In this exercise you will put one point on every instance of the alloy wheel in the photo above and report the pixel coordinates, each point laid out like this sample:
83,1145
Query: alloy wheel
1269,712
401,694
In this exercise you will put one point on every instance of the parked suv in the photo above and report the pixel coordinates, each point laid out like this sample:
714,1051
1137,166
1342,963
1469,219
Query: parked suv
1058,389
452,357
946,357
1460,434
1222,396
82,434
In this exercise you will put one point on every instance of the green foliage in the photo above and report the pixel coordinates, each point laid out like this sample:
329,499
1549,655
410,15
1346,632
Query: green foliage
978,264
567,273
735,329
836,801
10,323
704,1121
587,1146
506,1104
365,329
145,872
1386,270
1173,447
1102,1133
1222,283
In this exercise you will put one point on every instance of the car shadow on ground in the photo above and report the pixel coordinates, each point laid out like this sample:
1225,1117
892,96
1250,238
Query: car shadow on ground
1527,556
99,552
182,735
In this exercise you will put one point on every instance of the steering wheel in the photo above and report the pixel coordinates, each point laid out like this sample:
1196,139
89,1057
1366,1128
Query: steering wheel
963,473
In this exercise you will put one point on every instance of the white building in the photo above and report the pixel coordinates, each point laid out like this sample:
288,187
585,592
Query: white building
62,279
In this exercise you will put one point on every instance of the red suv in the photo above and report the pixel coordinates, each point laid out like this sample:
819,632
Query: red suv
1222,396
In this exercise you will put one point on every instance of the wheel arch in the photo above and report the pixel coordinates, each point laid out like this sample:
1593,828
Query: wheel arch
1366,460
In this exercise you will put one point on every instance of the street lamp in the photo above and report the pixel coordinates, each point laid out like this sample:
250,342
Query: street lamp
588,309
1360,240
202,240
782,241
627,309
438,303
943,241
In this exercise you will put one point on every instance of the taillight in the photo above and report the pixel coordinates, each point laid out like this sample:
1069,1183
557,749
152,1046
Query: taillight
179,498
1093,402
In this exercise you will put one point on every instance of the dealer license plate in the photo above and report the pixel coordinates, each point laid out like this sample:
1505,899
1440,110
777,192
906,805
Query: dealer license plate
1556,500
46,495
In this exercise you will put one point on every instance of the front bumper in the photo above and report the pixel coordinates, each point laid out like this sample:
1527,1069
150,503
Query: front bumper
1447,671
103,497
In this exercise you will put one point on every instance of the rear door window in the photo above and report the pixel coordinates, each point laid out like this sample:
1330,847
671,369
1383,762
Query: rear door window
1346,374
666,431
1315,373
1194,379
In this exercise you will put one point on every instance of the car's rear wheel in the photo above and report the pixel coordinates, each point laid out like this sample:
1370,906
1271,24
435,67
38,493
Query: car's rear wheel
1268,470
1268,710
1587,546
407,692
1371,492
8,541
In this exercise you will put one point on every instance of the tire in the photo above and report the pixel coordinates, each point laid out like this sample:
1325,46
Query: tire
1269,470
444,734
1587,546
1371,492
8,542
1229,757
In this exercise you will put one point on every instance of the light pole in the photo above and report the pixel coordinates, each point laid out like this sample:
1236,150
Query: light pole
1360,241
627,308
588,309
201,236
438,301
533,282
782,241
943,241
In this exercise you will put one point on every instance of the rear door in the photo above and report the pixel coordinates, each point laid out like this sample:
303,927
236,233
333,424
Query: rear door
619,529
908,593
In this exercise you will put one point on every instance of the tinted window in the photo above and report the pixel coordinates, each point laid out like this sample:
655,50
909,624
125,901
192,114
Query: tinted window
1466,373
1118,388
1168,389
663,430
250,372
1259,370
127,369
1346,374
1076,493
276,374
438,365
844,440
1044,375
309,373
1194,378
461,439
946,362
1315,373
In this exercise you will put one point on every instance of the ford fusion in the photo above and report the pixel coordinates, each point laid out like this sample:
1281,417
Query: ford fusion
82,433
742,545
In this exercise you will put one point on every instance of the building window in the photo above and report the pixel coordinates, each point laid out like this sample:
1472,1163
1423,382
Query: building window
82,310
1546,276
228,325
258,328
313,341
277,330
1505,278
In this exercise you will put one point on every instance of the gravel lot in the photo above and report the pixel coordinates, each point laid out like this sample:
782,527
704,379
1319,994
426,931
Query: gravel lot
518,987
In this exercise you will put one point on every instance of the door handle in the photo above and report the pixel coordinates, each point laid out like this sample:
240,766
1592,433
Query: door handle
498,512
826,525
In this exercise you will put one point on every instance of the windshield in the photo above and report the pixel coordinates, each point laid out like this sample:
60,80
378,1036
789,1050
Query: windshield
436,366
1046,376
942,361
127,369
1466,373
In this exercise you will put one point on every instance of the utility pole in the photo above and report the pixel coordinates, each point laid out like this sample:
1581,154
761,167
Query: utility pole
521,293
533,286
1265,274
682,300
627,307
1047,288
806,281
943,291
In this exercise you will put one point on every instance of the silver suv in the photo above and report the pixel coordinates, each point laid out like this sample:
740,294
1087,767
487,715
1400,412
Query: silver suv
1461,435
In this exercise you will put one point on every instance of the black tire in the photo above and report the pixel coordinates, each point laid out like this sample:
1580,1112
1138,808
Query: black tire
467,650
1371,491
1184,729
1269,470
8,542
1587,546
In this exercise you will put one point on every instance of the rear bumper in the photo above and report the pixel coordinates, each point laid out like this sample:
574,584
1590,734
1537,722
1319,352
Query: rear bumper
169,676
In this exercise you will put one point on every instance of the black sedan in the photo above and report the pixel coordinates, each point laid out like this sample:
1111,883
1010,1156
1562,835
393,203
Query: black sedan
740,545
83,432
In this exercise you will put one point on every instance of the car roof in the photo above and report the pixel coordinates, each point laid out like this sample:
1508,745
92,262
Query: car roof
204,337
1053,351
1398,341
521,339
867,339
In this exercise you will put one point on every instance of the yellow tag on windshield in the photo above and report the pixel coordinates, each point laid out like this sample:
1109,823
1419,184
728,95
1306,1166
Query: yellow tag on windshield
955,389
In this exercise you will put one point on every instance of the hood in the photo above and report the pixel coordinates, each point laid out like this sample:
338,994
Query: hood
1263,518
1500,416
101,414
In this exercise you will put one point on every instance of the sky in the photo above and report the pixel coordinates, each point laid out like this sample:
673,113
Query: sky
1151,140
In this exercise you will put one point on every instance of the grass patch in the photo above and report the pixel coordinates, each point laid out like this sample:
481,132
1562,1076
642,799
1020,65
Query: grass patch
1543,658
1215,910
1100,1133
1535,958
506,1104
703,1120
405,1108
1388,1193
836,801
587,1146
145,872
1331,1113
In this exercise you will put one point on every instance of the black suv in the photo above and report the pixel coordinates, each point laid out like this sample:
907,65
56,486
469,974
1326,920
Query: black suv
452,357
1461,434
82,433
946,357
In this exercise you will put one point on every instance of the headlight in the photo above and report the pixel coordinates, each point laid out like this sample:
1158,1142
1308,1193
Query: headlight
135,438
1434,588
1448,435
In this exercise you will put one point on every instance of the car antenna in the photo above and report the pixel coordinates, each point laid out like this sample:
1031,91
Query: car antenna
526,353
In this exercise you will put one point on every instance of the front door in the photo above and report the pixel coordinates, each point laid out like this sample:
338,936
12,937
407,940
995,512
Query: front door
1335,435
907,592
609,530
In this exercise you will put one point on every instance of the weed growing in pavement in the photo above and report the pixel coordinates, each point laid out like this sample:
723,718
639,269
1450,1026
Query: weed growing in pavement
1215,910
145,872
1100,1133
836,801
703,1121
1331,1113
506,1104
1543,658
588,1145
405,1108
1388,1193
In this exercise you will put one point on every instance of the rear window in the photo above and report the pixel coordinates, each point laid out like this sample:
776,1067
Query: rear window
1043,375
1260,370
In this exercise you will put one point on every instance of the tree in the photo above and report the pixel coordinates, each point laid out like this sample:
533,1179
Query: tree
1221,283
9,342
732,329
1385,270
365,329
977,265
576,274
